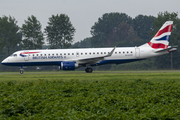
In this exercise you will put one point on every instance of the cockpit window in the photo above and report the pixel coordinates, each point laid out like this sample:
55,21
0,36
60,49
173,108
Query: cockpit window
13,55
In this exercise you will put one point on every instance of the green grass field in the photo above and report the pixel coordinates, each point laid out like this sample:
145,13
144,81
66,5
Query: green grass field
98,95
154,76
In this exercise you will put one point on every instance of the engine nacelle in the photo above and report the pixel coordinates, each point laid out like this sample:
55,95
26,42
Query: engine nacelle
68,65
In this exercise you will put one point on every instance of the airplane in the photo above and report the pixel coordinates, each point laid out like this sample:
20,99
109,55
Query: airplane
71,59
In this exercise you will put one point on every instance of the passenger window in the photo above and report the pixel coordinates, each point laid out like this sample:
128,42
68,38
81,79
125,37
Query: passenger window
37,55
119,52
101,52
97,52
41,54
33,54
44,54
131,52
64,53
60,53
123,52
72,53
68,53
56,54
81,53
86,53
90,53
104,52
127,52
115,52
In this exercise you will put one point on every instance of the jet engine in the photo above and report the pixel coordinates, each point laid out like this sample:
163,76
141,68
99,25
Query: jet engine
68,65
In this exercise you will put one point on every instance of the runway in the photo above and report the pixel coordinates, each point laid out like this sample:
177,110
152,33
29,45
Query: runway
94,72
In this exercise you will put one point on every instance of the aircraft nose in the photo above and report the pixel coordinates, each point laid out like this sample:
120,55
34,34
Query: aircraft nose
4,61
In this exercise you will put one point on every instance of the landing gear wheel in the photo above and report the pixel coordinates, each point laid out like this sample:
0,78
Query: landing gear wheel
21,71
88,70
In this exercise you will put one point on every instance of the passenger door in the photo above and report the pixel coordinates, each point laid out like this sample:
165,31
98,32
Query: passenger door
26,55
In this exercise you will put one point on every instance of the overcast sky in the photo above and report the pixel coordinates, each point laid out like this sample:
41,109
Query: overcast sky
83,13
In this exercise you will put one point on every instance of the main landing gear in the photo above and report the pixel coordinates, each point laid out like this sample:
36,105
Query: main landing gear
88,70
21,71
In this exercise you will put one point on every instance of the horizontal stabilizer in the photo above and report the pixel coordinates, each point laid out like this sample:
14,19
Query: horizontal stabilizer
169,49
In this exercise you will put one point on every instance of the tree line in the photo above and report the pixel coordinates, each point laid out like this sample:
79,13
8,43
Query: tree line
59,32
112,29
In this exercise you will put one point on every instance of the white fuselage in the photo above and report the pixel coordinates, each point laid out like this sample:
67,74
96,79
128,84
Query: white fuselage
80,56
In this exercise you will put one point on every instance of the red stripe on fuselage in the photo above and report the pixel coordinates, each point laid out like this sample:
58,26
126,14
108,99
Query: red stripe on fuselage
166,29
29,52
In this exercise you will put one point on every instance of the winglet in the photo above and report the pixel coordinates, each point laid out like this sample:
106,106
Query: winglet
110,52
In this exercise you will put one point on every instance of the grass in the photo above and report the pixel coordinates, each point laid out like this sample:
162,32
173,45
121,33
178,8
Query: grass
154,76
99,95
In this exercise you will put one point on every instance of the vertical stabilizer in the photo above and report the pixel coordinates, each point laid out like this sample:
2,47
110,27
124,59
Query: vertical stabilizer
161,39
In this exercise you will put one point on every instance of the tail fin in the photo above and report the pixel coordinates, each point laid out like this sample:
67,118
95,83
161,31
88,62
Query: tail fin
161,39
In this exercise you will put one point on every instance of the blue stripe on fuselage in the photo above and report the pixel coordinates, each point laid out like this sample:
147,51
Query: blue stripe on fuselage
22,55
32,63
59,62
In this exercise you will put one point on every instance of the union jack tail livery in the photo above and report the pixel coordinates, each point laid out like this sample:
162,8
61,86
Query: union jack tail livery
161,39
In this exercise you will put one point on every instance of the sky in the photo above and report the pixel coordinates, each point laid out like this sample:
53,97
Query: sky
83,13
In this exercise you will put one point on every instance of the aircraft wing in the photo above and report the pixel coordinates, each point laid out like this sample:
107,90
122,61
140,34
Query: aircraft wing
94,59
